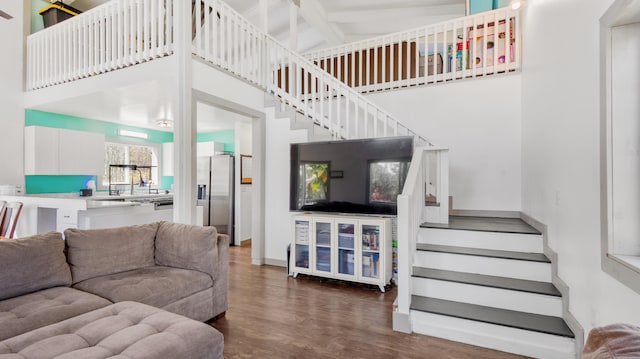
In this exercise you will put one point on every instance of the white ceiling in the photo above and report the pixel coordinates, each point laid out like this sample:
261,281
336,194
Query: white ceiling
320,22
140,105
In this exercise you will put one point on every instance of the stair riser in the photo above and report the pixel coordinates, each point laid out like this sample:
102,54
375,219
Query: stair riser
509,268
529,243
511,340
314,132
488,296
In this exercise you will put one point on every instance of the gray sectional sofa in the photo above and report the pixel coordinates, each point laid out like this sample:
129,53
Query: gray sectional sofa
131,292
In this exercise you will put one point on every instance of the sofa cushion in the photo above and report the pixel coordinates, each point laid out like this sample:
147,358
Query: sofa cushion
123,330
156,286
97,252
613,341
185,246
32,263
30,311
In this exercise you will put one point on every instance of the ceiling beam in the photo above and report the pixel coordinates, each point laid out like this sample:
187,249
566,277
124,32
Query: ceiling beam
395,14
315,14
5,15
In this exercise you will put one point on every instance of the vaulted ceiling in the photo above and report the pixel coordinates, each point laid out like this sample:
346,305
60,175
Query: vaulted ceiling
323,23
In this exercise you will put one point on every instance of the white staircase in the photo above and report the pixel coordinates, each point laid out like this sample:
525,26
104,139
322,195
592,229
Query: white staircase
312,132
488,286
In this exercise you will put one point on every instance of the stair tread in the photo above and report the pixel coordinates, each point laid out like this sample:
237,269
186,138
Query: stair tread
520,285
510,318
524,256
485,224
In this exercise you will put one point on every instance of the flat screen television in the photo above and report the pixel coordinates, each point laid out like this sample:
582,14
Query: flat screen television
352,176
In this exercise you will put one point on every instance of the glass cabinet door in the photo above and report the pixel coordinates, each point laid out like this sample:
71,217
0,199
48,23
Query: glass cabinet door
346,248
323,246
302,243
370,251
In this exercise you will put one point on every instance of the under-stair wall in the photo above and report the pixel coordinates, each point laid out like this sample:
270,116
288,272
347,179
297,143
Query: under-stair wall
481,122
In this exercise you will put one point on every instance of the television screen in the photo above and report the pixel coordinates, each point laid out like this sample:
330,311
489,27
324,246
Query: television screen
352,176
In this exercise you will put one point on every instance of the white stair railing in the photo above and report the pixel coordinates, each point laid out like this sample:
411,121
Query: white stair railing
426,188
226,39
114,35
451,50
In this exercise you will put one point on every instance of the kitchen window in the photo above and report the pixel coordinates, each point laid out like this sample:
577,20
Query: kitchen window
119,153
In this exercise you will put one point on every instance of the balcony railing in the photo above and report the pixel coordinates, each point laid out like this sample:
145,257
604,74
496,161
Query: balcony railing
117,34
226,39
471,46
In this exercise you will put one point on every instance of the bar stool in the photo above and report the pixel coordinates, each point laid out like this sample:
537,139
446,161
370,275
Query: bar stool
9,219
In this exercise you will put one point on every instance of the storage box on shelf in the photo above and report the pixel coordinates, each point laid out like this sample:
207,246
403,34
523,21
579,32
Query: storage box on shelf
353,248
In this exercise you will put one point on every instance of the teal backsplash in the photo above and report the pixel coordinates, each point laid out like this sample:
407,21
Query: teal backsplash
66,183
56,184
167,182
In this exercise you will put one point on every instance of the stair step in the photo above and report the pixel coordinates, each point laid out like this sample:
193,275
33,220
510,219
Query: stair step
509,318
500,267
530,257
487,240
485,224
520,285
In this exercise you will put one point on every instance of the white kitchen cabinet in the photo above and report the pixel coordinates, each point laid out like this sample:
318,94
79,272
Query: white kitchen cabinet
203,149
80,153
54,151
66,218
208,149
167,159
353,248
40,150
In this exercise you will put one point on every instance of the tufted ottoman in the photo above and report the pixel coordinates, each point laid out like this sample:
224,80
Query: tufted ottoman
123,330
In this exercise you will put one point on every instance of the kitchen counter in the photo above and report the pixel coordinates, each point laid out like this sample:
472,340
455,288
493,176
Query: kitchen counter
56,212
91,204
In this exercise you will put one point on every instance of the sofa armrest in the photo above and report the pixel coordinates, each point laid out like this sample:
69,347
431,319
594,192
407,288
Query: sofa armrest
221,281
188,247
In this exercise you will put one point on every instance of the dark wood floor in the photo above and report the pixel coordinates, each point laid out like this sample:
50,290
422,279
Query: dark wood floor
272,315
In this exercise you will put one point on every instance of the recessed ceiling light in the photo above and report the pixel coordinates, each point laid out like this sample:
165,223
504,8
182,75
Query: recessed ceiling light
516,4
134,134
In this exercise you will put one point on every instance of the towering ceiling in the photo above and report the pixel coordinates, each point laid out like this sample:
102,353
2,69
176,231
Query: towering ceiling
323,23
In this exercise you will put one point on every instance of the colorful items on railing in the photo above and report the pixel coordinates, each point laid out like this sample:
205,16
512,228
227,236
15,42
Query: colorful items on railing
451,50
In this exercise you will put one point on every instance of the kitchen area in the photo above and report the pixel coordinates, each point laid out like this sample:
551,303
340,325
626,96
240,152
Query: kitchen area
74,179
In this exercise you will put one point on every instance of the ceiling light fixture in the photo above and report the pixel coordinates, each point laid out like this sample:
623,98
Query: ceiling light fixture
134,134
164,123
516,4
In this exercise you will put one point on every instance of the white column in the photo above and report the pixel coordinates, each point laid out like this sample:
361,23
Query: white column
258,206
184,134
293,26
264,17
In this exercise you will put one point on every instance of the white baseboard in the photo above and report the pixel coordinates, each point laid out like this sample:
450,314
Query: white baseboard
401,323
275,262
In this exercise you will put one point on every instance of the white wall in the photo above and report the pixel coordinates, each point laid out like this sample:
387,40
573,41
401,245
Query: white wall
243,191
278,232
560,125
484,136
11,96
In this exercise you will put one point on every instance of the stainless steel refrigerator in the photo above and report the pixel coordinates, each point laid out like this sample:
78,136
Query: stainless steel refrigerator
215,192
